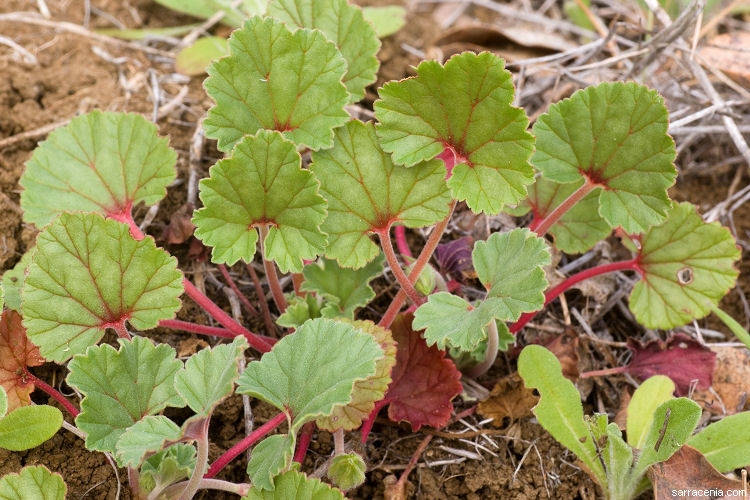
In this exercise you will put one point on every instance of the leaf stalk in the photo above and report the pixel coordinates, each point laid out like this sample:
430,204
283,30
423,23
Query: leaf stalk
54,393
271,276
200,463
406,285
542,227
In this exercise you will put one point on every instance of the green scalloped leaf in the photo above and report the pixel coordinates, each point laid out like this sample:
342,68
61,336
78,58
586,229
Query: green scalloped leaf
366,392
12,282
121,387
686,265
367,193
465,106
297,486
33,483
344,289
261,185
559,411
581,227
100,162
277,80
168,466
509,265
299,310
149,434
208,376
309,373
270,457
615,135
347,471
343,24
29,426
88,274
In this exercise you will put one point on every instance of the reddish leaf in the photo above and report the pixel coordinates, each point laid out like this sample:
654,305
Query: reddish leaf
424,382
680,358
16,353
454,259
688,469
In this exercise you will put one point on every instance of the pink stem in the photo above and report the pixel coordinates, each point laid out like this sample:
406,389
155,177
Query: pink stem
205,329
224,319
270,327
271,276
367,425
403,247
235,288
235,450
304,441
577,278
601,373
406,285
40,384
566,205
297,280
122,332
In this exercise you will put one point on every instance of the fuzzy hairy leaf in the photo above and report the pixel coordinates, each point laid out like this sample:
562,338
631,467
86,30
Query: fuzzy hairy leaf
12,282
29,426
277,80
147,435
450,321
262,184
464,105
347,471
208,376
615,135
100,162
559,410
366,392
424,381
726,443
88,274
270,457
366,193
312,371
168,466
293,484
344,289
33,483
121,387
299,310
646,399
581,227
16,353
343,24
687,265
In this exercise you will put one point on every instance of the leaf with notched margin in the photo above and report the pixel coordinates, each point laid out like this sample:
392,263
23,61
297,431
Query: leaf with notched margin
33,482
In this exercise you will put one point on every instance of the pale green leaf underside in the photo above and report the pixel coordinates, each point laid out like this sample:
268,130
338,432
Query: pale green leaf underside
366,192
87,274
12,282
683,247
581,227
299,310
464,105
647,397
121,387
208,376
29,426
262,184
100,162
559,410
33,483
726,443
295,485
345,26
268,458
147,435
509,265
345,289
277,80
168,466
310,372
615,134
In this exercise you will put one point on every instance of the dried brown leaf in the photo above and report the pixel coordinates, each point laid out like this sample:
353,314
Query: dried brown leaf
509,399
731,382
730,53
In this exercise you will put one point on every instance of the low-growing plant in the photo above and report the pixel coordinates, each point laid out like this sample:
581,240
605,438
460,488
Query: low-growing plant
599,161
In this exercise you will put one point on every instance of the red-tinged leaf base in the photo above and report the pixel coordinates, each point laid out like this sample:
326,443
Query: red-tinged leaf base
424,382
16,353
680,358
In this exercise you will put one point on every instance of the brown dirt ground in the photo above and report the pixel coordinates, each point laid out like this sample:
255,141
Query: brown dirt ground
71,79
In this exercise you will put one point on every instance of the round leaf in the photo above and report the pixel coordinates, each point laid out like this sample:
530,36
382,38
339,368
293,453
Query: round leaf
343,24
347,471
100,162
615,135
262,184
29,426
686,266
36,483
366,192
147,435
87,274
465,106
278,80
